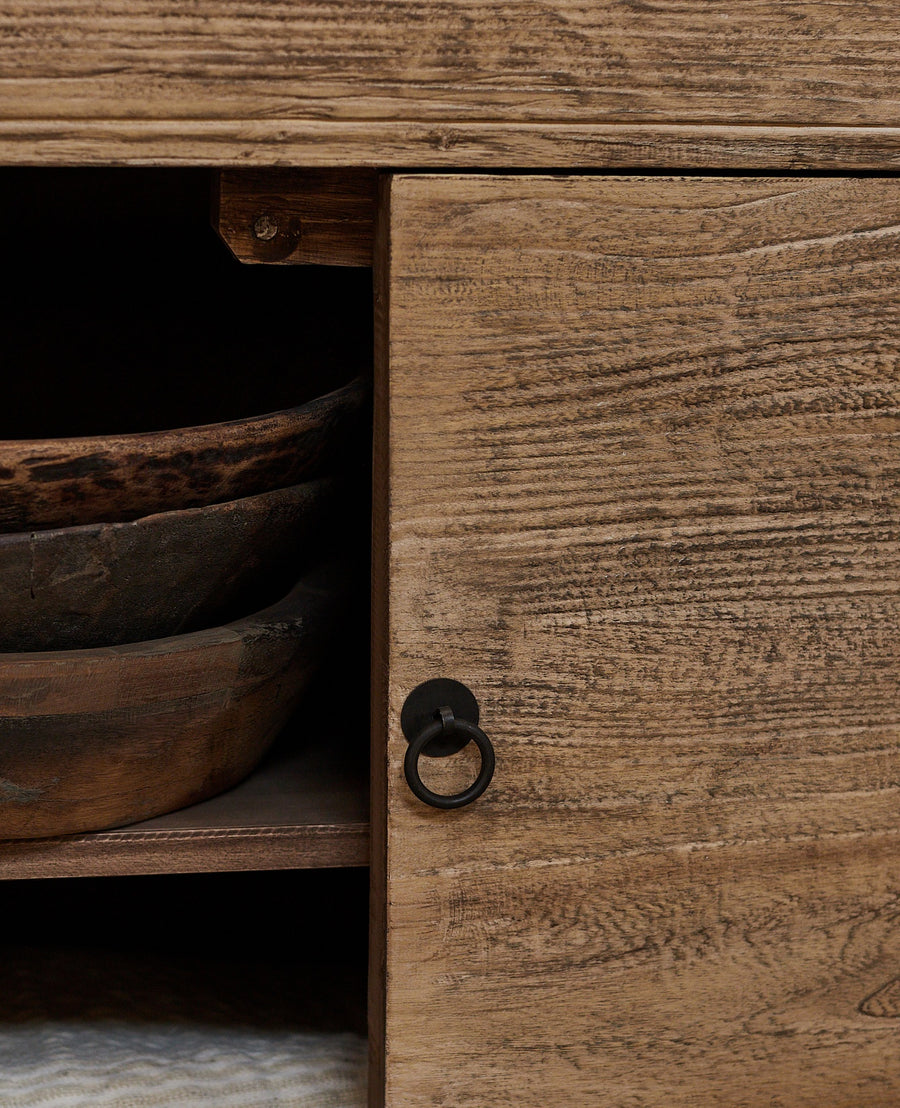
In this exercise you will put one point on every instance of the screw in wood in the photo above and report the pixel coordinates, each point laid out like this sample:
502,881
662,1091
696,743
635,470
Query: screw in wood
265,227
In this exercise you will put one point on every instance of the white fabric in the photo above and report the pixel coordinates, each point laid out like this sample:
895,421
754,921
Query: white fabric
117,1048
122,1066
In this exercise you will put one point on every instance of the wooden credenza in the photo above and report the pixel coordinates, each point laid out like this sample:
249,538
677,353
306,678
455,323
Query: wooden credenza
636,461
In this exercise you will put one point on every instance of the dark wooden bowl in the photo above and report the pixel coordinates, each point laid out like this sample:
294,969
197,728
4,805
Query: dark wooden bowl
91,739
112,583
109,478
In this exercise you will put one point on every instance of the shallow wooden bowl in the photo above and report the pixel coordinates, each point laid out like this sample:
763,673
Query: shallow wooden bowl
109,478
91,739
112,583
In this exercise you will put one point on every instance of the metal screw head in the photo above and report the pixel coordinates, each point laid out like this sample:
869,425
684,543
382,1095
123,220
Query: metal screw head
265,227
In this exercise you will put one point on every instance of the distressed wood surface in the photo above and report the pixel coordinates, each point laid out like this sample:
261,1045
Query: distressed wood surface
227,82
113,583
112,478
305,806
380,648
297,217
94,738
644,444
606,146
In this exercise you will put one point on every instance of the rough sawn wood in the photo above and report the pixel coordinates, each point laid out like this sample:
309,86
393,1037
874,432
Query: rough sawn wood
297,217
460,82
644,464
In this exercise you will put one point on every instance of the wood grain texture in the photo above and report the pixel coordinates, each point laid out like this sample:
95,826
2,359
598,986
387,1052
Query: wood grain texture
107,79
68,482
379,143
94,738
299,217
305,806
644,441
380,648
166,574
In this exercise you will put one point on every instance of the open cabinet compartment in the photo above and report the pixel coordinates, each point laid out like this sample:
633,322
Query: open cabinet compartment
124,301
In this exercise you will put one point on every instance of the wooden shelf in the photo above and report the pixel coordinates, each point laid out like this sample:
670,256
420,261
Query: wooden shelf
305,807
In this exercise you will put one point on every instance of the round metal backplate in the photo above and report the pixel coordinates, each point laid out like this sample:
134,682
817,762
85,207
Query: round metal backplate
424,701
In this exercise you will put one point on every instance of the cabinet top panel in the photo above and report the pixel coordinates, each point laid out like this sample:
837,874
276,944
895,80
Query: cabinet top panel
409,82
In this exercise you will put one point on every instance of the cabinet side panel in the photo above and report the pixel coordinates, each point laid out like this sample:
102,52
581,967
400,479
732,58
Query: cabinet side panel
380,648
645,503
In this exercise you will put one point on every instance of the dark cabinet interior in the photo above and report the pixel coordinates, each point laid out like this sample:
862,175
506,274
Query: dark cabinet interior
125,312
301,935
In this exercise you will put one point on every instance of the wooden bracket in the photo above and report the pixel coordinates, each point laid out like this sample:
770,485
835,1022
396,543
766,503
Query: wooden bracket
297,216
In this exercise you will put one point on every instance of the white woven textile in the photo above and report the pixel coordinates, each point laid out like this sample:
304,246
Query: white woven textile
118,1048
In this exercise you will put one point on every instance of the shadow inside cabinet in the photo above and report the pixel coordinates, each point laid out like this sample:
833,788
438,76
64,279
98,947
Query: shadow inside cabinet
216,954
126,313
123,311
189,990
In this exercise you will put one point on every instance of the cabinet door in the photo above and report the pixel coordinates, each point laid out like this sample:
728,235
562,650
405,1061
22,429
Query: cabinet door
642,446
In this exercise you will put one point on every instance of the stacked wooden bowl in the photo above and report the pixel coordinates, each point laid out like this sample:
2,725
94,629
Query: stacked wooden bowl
164,597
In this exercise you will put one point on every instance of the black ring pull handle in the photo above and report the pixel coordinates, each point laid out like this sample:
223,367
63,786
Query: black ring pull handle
447,725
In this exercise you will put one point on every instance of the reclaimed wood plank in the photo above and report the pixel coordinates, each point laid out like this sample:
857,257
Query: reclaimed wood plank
644,466
223,83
